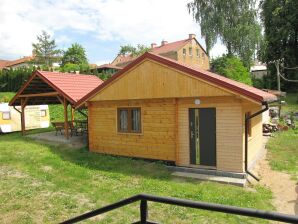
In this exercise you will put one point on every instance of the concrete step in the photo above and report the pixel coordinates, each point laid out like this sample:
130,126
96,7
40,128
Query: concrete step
207,172
220,179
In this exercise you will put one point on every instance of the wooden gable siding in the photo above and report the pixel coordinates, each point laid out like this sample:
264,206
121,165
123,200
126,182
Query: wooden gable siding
229,142
157,140
151,80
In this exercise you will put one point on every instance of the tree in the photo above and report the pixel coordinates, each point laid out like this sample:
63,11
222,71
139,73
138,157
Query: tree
45,50
70,67
234,22
75,54
280,43
231,67
133,51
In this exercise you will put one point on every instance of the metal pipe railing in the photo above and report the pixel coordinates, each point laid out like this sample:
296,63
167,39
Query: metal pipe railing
144,198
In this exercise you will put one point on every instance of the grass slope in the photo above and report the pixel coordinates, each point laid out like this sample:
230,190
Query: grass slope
6,96
291,103
283,152
47,184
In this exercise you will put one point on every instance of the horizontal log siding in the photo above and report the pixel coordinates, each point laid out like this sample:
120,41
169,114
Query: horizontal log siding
255,141
157,140
229,141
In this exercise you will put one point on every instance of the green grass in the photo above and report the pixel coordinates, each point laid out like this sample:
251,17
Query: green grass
283,152
6,96
291,103
47,184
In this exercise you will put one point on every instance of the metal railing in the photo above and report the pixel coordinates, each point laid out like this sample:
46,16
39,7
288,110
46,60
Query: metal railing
144,198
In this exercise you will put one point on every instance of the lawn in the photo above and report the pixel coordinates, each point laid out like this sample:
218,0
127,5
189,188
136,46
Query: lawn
291,103
283,152
6,96
47,184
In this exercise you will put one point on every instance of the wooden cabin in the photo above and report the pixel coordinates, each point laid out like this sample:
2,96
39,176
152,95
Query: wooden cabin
158,108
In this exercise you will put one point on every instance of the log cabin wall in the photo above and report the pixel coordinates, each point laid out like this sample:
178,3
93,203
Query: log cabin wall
165,96
156,141
255,140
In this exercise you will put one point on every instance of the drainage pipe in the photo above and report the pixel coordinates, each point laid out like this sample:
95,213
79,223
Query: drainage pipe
247,118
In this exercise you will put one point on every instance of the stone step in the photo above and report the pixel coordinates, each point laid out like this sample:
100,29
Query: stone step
207,172
220,179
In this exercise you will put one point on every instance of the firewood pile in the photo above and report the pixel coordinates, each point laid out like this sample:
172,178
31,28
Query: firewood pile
270,128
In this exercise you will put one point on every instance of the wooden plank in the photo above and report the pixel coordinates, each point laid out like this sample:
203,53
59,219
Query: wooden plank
23,122
38,94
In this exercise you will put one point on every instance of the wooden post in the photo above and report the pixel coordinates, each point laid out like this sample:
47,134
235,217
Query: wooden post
23,122
65,118
72,115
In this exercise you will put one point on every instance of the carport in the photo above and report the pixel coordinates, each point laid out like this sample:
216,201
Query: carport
44,87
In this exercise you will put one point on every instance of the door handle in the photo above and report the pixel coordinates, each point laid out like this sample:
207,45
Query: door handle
191,134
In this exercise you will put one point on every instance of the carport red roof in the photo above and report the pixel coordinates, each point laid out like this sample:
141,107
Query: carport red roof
234,86
72,86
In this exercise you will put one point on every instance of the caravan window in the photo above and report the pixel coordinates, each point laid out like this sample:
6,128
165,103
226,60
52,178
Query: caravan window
6,116
43,113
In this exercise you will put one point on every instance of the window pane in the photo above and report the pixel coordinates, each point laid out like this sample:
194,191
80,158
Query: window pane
43,113
136,120
123,126
6,115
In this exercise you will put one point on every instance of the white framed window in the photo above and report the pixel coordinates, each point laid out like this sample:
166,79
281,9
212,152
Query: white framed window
43,113
190,51
198,52
184,51
129,120
6,115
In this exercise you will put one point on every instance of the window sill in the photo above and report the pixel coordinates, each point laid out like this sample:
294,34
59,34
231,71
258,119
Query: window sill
129,133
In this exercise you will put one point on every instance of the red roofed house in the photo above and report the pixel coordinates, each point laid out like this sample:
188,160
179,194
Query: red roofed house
158,108
18,63
187,51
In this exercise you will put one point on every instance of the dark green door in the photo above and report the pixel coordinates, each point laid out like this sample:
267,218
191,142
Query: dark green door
202,136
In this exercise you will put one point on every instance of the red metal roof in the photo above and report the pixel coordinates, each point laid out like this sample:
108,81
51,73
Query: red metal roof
69,85
75,86
174,46
234,86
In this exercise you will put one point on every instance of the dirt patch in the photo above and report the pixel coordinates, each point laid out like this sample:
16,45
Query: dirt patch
285,190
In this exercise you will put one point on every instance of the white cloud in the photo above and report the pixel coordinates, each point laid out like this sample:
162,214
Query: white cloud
127,21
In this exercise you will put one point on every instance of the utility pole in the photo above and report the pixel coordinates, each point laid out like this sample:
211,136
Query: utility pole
278,75
278,85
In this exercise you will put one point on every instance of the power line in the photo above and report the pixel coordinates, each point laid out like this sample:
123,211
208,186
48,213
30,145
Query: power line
290,68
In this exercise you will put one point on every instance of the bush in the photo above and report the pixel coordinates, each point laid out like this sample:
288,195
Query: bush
231,67
11,80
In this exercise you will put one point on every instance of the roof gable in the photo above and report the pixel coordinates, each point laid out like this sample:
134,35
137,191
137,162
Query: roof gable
152,80
71,86
212,78
174,46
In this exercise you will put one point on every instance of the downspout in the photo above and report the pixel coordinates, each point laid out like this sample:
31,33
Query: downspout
247,118
14,107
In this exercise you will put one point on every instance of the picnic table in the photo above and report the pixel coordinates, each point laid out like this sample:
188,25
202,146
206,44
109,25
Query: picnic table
76,127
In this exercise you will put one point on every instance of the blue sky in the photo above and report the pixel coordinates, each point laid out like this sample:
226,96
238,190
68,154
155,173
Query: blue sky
100,26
